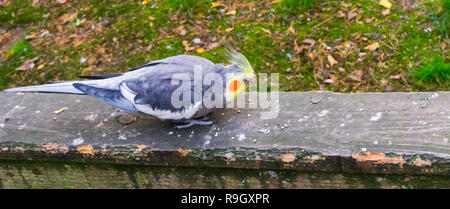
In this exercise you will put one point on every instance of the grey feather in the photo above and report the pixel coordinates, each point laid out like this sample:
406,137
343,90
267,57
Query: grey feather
108,96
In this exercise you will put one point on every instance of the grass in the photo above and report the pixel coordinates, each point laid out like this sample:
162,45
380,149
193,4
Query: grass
118,35
434,70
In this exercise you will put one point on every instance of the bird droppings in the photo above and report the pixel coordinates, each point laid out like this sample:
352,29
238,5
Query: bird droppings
323,113
254,140
90,117
242,137
288,158
376,117
77,141
342,125
60,110
389,142
364,149
434,95
264,131
123,137
375,142
37,111
170,133
17,107
2,125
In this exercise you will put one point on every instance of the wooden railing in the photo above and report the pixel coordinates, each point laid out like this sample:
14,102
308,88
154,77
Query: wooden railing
319,140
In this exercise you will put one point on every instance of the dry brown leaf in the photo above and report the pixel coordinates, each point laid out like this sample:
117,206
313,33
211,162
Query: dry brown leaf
292,30
228,30
28,64
385,12
312,56
5,37
216,4
385,3
231,12
61,1
267,31
356,76
200,50
275,1
396,77
65,18
372,47
309,41
331,60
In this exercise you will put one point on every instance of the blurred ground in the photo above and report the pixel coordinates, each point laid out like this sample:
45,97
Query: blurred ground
345,46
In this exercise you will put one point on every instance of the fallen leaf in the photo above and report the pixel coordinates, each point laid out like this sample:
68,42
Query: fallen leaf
151,18
28,64
231,12
385,3
385,12
340,14
396,77
292,30
216,4
5,37
312,56
267,31
29,37
61,1
356,76
275,1
309,41
65,18
228,30
331,60
351,15
372,47
145,2
200,50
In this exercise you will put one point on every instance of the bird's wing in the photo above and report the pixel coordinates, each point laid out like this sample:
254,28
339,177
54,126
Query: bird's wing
153,96
108,96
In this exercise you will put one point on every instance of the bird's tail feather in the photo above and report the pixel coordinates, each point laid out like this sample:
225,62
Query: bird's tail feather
62,87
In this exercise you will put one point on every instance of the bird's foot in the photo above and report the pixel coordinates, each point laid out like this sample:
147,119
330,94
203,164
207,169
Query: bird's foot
192,122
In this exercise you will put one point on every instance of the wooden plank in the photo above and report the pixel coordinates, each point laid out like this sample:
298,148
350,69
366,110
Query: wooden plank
56,175
404,133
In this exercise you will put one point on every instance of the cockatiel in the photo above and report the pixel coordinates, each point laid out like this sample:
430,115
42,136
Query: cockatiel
148,89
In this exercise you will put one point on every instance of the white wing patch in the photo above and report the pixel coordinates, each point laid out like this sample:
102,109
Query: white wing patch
186,113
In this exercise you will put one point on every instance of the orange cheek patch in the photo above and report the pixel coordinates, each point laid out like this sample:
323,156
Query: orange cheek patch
234,85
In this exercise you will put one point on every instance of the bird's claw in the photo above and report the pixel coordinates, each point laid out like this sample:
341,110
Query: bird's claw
194,122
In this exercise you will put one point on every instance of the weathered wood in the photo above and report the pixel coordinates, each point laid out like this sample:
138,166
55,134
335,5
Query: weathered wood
399,133
54,175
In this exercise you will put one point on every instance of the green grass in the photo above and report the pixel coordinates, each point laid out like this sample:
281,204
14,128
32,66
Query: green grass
261,30
434,70
20,12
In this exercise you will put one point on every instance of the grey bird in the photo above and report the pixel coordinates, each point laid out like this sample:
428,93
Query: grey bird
148,89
